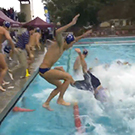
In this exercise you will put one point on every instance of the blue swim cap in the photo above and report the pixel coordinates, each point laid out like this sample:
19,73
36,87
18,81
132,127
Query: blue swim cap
85,52
37,29
6,24
69,38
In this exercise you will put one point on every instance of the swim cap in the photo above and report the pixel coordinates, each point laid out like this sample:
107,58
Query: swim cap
69,38
6,24
37,29
85,52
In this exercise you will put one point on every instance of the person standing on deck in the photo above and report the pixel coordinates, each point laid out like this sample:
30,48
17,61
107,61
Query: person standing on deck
4,35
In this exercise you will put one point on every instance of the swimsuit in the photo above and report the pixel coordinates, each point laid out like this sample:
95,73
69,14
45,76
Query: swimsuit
43,70
90,83
84,84
101,95
94,80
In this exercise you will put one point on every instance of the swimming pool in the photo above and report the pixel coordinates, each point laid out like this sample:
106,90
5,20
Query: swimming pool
113,118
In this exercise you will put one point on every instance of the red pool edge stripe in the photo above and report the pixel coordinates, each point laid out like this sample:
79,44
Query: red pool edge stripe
77,120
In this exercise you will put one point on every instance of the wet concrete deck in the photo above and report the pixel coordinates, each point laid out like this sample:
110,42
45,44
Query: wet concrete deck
6,97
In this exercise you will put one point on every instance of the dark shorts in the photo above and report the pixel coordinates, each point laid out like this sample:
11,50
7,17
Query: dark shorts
84,84
90,82
43,70
94,80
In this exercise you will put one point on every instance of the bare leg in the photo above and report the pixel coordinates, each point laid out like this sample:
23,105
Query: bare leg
53,76
60,100
3,67
62,92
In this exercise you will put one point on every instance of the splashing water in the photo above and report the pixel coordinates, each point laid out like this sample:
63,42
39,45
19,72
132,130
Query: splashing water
115,117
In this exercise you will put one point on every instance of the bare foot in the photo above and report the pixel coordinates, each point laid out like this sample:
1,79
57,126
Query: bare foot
47,107
62,102
3,90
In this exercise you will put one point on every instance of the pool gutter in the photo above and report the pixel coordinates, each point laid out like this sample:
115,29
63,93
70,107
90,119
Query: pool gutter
11,104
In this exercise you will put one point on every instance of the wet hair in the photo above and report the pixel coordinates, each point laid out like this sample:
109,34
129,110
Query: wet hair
85,52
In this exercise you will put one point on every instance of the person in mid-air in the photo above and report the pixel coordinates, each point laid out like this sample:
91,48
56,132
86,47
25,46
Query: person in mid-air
55,51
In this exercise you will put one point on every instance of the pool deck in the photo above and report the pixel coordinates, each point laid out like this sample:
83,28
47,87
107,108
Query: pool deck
18,84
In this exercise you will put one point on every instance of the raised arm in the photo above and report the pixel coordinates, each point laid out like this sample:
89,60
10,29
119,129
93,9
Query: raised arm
78,38
83,35
59,31
82,60
64,28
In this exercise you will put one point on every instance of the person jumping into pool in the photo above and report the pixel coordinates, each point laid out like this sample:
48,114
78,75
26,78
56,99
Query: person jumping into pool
54,52
90,82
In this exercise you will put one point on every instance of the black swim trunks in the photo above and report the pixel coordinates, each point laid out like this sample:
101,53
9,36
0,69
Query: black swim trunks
84,84
94,80
90,82
43,70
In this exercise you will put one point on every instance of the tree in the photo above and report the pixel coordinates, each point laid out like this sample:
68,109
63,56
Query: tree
119,9
65,10
92,11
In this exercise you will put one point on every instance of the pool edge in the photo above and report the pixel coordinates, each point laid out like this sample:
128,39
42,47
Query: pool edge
10,105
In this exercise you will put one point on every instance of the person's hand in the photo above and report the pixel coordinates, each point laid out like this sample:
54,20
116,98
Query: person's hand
75,19
77,50
87,33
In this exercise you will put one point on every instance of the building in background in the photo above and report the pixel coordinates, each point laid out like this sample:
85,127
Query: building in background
25,7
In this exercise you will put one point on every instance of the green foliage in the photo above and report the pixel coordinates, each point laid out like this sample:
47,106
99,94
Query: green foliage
91,11
21,17
119,9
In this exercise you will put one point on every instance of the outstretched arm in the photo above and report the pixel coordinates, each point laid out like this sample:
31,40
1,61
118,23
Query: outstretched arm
83,35
83,63
59,31
78,38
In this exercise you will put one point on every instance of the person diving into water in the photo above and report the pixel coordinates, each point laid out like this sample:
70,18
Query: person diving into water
90,82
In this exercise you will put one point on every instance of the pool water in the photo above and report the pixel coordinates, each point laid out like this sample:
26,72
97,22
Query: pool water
115,117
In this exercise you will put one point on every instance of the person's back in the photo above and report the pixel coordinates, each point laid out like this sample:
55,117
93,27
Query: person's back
35,39
32,40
